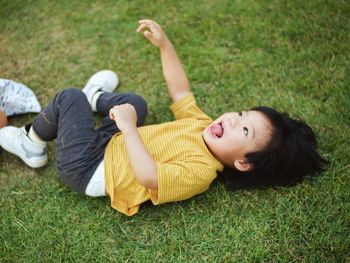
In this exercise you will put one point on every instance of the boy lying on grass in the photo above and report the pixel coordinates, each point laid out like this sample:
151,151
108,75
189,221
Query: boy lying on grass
166,162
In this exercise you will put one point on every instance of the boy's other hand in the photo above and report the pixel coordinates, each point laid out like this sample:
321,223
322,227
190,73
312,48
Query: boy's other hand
154,33
124,116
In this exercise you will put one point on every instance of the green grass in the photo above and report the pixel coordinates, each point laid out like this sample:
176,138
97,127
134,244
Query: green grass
292,55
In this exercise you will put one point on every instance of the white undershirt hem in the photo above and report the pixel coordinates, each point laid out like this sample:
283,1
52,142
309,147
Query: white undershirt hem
96,186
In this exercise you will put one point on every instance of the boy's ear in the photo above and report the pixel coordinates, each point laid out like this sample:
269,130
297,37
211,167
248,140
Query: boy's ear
242,165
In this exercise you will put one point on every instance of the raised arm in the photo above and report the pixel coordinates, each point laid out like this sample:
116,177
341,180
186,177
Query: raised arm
174,74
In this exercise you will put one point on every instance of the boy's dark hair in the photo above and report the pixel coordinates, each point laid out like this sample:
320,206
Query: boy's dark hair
290,155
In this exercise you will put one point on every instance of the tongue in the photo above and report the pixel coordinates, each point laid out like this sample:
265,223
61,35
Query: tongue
217,130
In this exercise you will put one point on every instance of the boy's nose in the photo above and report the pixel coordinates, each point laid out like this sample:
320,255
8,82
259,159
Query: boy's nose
232,122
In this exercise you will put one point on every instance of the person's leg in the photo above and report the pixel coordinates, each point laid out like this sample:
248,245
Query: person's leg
69,120
101,81
60,118
108,100
98,91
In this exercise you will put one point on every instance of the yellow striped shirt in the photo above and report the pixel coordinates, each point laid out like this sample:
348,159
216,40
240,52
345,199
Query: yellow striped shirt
185,166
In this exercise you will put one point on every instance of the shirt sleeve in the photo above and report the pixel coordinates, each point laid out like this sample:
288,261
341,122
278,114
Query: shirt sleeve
186,108
181,180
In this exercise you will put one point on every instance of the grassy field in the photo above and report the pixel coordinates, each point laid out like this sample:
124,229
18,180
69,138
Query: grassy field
292,55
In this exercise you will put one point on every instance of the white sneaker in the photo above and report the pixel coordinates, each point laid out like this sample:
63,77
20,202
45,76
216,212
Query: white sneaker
104,80
16,141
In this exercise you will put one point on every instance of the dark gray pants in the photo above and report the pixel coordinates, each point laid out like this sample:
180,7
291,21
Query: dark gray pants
80,147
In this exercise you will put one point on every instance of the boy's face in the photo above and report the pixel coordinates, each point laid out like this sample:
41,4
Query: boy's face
231,136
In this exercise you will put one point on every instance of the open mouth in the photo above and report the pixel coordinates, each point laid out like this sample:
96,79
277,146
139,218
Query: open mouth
217,130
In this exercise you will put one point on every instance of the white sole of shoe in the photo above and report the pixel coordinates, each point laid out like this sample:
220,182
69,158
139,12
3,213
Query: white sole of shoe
31,163
107,88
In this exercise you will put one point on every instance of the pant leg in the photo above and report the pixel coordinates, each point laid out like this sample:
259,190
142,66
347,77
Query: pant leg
108,100
80,148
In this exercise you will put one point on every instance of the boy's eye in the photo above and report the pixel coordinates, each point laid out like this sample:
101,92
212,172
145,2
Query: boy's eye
245,129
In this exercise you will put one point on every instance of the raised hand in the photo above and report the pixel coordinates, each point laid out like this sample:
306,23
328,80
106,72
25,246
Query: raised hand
153,32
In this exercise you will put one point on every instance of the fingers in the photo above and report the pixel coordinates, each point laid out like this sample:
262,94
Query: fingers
152,31
111,114
152,25
122,109
149,22
141,28
147,34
